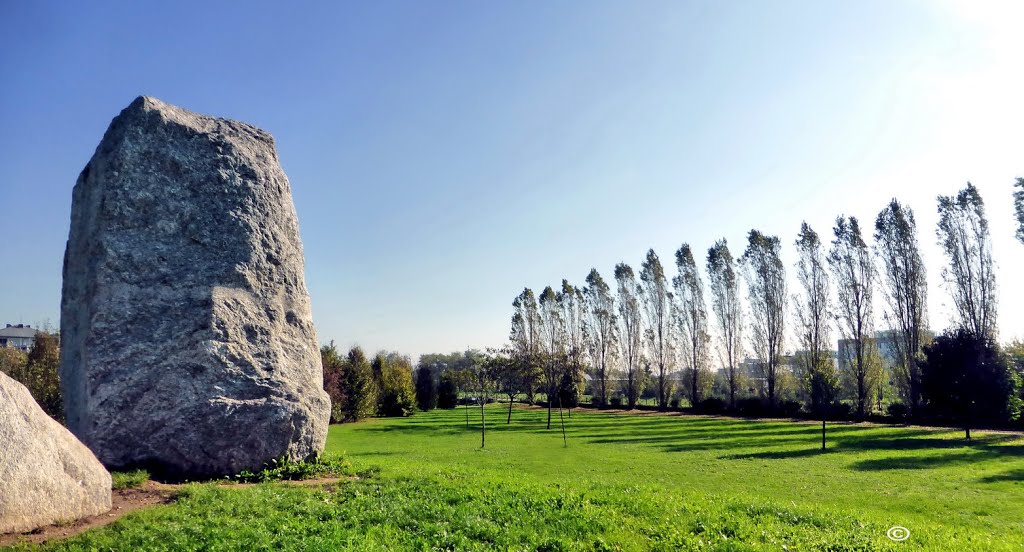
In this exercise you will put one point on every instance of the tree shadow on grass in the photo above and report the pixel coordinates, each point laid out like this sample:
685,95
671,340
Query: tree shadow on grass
969,454
1012,475
778,455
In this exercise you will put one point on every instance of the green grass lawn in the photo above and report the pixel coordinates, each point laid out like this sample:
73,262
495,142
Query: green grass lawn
629,482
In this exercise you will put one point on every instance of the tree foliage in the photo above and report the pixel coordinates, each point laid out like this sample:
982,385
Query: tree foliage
552,358
905,288
601,331
814,330
361,389
38,371
657,300
692,320
766,289
854,271
1018,207
630,332
426,388
526,338
966,378
725,301
397,395
970,273
334,380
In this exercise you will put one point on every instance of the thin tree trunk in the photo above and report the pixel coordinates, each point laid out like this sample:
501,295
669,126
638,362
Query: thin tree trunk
483,423
549,408
822,433
510,399
564,441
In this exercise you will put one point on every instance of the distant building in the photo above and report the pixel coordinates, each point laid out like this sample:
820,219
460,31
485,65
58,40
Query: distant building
886,343
18,336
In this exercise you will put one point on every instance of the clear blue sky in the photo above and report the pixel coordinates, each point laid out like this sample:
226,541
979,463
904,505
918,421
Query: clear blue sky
445,154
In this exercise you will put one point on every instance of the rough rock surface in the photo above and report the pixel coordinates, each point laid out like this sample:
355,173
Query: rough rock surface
188,344
46,474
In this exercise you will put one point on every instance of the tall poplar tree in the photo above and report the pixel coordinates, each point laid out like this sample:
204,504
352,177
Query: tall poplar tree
657,300
905,287
551,345
526,339
1018,206
630,331
725,303
601,331
970,273
813,325
766,289
854,272
692,319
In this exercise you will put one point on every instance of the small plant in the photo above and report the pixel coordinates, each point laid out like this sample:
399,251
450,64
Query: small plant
288,470
897,410
129,479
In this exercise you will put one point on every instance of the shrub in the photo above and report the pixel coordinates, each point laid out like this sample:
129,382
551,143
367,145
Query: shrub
675,402
615,401
751,407
711,405
967,378
790,409
447,391
287,470
397,395
426,388
897,410
840,411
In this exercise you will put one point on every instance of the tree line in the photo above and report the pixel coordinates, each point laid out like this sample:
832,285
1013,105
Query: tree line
362,388
867,291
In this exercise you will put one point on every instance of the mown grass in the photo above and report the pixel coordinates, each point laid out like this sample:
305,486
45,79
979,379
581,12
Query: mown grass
625,482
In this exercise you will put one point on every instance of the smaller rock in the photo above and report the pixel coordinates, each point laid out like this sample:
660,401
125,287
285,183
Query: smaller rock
46,474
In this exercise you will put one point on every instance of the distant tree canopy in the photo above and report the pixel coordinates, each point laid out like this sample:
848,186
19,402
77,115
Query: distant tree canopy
38,371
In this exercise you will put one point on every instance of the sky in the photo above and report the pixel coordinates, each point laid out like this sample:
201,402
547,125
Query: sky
443,155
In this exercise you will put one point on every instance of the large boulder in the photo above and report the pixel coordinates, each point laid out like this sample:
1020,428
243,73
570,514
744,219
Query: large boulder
46,475
188,344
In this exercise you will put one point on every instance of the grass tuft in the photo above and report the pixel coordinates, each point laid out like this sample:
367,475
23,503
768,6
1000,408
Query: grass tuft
288,470
129,479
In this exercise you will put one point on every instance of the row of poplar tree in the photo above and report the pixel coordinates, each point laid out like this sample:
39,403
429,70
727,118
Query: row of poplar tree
646,327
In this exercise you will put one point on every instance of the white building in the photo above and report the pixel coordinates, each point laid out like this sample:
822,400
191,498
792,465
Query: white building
19,336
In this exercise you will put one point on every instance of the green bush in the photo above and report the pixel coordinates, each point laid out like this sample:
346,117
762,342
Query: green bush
288,470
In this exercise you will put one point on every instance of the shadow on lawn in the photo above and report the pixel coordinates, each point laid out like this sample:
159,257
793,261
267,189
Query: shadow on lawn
1012,475
676,434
